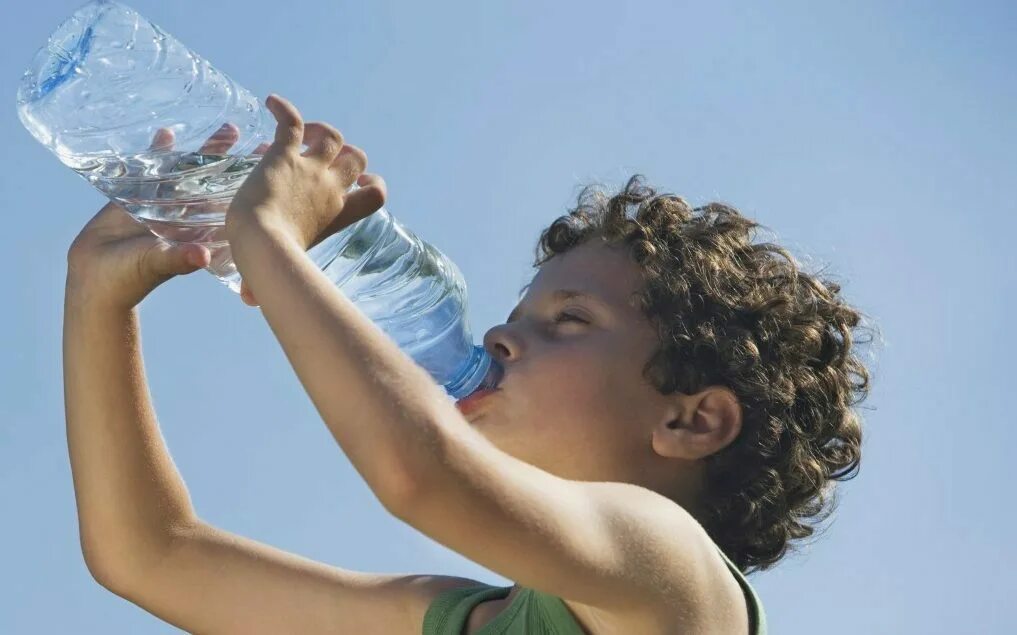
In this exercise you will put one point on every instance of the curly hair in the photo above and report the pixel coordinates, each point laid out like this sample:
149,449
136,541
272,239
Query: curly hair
732,313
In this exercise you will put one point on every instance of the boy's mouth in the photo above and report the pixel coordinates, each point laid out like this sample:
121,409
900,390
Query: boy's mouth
488,386
468,404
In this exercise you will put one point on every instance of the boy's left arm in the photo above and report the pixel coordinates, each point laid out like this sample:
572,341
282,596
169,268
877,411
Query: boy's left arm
609,545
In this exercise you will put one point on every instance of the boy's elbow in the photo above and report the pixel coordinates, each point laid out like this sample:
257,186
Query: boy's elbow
117,567
99,565
397,496
102,571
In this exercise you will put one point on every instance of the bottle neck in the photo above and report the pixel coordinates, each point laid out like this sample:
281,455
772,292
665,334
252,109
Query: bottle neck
479,372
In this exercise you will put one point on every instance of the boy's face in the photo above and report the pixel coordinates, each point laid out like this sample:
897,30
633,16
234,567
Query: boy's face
573,400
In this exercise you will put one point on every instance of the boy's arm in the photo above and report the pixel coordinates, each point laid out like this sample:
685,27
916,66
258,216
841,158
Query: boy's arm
607,545
130,497
379,405
142,539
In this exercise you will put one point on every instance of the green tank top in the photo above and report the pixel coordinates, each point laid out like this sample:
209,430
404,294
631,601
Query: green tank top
536,613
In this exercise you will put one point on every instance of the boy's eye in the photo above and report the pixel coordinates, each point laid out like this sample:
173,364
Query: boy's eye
568,317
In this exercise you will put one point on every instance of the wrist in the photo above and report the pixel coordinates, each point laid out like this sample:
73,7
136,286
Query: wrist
83,295
258,221
260,227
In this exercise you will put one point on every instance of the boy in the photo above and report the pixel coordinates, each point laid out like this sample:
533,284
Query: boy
675,402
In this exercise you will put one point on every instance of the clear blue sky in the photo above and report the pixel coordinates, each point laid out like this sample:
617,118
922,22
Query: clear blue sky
875,138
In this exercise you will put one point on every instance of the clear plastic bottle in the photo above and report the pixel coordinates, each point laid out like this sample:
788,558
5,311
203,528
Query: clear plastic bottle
108,79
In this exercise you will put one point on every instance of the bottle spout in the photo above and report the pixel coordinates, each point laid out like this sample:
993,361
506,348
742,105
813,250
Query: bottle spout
481,372
492,377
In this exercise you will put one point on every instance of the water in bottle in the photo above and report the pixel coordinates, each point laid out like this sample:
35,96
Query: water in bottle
108,80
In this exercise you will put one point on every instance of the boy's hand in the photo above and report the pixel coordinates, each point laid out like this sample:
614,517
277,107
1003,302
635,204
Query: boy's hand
116,261
304,195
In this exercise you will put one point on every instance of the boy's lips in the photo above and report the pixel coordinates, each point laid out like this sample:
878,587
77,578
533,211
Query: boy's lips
468,404
490,385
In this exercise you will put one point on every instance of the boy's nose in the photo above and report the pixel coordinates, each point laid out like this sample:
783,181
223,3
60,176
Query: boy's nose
502,344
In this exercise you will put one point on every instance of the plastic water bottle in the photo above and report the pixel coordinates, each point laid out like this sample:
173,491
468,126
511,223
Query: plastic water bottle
108,79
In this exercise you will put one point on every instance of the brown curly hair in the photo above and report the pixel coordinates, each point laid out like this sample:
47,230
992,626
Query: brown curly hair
740,315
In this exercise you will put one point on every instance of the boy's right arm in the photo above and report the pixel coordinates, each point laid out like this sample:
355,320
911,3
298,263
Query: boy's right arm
212,581
139,532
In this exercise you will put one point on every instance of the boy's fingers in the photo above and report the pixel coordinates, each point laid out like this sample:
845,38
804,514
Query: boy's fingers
246,295
262,148
350,163
323,141
374,182
163,140
222,140
360,204
289,130
197,256
165,260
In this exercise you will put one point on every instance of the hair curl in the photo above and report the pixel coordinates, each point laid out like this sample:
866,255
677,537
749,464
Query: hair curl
740,315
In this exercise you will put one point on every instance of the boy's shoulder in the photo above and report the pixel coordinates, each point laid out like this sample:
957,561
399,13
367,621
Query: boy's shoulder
656,539
592,619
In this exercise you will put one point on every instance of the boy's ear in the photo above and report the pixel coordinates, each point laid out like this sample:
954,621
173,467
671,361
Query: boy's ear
696,426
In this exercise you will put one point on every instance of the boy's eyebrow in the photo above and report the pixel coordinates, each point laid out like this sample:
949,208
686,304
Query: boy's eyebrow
560,296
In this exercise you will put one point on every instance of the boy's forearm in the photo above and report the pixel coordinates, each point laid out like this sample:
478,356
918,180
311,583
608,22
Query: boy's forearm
388,415
130,497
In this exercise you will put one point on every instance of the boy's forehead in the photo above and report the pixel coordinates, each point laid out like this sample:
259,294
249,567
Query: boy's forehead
606,273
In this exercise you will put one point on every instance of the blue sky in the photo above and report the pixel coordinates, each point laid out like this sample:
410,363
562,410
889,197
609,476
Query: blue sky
876,139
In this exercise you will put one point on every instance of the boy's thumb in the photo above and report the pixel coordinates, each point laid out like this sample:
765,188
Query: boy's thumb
178,259
196,257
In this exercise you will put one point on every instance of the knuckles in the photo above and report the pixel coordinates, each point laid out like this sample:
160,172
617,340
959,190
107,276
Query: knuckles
327,133
330,146
358,156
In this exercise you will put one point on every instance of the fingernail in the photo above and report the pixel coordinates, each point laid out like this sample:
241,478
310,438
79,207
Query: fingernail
197,258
